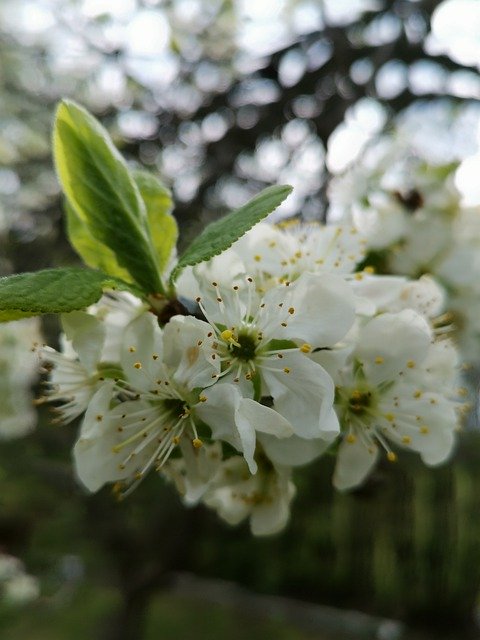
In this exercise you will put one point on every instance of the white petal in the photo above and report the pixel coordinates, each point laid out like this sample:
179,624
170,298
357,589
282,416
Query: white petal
142,352
200,468
333,248
390,343
264,248
333,360
229,508
92,452
271,514
429,422
424,296
87,334
224,269
303,393
354,463
322,308
294,451
221,412
441,447
264,419
188,352
376,293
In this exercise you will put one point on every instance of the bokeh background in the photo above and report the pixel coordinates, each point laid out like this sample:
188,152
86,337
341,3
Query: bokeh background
221,98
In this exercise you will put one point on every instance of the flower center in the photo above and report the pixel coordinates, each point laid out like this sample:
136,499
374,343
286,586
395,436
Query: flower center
245,348
242,345
359,401
175,407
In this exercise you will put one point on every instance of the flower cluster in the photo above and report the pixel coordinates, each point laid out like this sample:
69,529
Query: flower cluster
16,586
412,214
282,352
18,371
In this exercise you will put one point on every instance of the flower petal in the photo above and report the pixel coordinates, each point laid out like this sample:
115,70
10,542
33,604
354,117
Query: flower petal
87,335
303,393
188,352
294,451
321,308
221,412
271,514
94,461
390,343
264,419
142,353
354,463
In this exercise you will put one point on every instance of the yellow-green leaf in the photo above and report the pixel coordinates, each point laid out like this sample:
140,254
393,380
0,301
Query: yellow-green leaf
162,225
98,184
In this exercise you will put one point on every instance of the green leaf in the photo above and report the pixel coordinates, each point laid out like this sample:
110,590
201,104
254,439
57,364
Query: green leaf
52,291
162,225
94,253
221,234
99,186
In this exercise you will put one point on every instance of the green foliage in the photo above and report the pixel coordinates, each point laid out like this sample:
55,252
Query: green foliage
221,234
52,291
104,195
162,225
121,222
95,254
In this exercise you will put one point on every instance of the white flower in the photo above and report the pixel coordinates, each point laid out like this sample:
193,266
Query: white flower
75,376
400,202
16,586
9,567
162,403
18,371
388,392
90,352
265,498
115,309
21,589
424,244
262,344
195,471
273,254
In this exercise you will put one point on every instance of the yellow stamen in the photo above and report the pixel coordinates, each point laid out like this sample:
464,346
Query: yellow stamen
229,336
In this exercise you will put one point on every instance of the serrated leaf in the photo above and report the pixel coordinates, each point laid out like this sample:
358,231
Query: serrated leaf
53,291
95,254
162,225
98,184
221,234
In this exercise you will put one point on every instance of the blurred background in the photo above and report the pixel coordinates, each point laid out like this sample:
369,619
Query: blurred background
221,98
